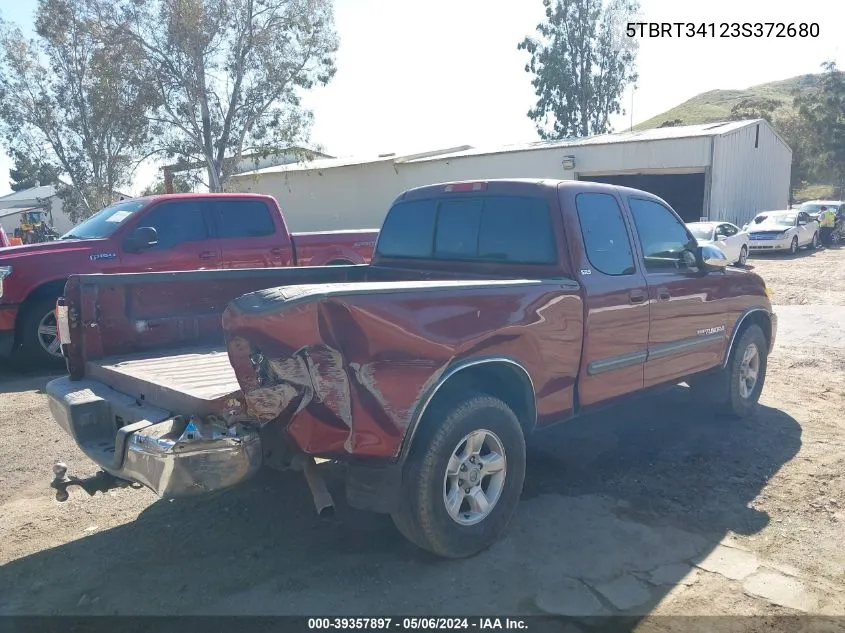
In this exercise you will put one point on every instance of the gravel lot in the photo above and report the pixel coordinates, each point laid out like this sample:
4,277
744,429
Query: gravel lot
653,509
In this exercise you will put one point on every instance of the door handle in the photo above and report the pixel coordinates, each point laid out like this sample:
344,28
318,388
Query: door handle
208,255
636,296
663,294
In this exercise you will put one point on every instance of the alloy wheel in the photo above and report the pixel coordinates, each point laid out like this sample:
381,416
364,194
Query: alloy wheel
48,335
475,477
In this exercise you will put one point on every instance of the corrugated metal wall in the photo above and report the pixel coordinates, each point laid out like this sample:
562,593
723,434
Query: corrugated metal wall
748,179
358,196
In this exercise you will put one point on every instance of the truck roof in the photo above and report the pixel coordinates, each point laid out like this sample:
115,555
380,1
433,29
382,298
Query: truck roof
168,196
513,185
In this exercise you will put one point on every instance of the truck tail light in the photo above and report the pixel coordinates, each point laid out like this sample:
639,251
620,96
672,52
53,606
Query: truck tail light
62,322
465,186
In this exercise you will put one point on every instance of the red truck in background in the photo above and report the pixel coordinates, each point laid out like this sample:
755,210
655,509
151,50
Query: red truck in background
490,311
173,232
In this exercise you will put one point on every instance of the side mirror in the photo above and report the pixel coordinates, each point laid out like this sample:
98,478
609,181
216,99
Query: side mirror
710,258
141,239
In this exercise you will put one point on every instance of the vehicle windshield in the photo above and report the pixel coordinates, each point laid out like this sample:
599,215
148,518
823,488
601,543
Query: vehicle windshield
780,219
811,207
103,223
701,231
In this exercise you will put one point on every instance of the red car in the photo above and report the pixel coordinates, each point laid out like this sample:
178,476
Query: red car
173,232
491,311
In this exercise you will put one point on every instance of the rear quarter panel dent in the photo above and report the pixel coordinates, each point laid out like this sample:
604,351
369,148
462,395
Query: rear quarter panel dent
390,350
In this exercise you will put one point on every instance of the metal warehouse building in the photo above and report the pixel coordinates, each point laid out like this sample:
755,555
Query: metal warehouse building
725,171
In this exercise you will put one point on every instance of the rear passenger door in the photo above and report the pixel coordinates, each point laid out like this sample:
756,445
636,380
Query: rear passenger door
616,319
807,227
688,323
184,239
248,235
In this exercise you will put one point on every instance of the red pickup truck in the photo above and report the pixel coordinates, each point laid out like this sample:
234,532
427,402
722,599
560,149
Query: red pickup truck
158,233
490,311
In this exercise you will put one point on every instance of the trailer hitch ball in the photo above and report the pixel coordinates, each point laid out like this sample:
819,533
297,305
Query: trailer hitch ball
60,481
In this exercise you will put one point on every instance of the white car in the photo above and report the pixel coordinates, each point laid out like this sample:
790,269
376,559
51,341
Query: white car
782,231
729,238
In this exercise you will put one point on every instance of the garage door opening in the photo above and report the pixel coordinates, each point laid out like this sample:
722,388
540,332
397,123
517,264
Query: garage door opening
683,192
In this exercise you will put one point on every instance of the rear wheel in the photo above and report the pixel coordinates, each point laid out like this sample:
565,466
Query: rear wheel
39,336
463,478
743,256
736,389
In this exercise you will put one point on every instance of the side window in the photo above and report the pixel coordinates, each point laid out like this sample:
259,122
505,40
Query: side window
663,237
177,223
729,230
457,229
605,234
243,218
408,230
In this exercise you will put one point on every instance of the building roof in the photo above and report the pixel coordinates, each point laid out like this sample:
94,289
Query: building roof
654,134
25,197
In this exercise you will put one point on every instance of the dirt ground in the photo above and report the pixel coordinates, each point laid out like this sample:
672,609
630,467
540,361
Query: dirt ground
653,509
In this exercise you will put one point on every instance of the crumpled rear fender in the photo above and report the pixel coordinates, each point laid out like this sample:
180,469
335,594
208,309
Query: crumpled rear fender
348,376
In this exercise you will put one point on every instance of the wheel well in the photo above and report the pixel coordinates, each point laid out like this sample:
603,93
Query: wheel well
51,288
504,380
757,317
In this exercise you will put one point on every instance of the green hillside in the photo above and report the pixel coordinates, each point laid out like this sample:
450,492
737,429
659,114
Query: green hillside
716,105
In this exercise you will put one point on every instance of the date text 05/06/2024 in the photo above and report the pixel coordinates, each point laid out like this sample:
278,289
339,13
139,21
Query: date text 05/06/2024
417,624
722,29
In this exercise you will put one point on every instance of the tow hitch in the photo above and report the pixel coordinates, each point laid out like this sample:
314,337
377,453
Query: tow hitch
99,482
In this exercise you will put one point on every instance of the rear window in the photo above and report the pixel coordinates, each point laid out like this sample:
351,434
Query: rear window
510,229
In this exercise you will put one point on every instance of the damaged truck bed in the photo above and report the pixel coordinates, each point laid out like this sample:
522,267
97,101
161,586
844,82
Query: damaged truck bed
490,310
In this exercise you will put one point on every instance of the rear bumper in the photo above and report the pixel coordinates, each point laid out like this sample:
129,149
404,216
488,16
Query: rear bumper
172,456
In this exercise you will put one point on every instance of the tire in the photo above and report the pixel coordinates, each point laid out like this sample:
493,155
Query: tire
793,248
37,319
816,241
724,389
422,516
835,238
743,256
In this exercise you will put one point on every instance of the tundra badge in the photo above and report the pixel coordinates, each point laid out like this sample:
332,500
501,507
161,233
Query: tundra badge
711,330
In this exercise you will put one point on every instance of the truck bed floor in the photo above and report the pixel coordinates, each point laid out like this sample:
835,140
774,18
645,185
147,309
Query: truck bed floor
195,380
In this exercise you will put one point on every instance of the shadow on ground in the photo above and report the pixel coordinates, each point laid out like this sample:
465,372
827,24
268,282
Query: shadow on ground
635,492
17,380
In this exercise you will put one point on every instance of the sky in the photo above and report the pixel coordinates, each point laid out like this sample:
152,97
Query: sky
420,75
